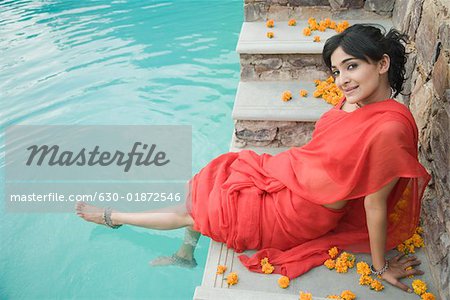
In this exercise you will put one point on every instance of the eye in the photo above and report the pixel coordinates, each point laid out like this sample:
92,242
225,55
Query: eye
352,66
335,73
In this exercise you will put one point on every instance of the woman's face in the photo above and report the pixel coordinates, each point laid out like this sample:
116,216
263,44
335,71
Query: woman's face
360,81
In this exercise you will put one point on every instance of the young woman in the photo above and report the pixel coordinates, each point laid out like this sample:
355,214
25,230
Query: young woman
356,185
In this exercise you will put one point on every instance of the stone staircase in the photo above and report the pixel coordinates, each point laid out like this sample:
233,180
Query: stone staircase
266,124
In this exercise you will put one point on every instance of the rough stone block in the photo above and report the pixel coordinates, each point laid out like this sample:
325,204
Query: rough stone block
444,34
308,2
426,37
380,7
401,15
346,4
440,74
273,133
420,103
254,12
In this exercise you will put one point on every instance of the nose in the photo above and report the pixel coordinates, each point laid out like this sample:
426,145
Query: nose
342,80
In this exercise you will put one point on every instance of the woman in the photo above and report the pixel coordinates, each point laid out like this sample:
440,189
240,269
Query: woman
356,185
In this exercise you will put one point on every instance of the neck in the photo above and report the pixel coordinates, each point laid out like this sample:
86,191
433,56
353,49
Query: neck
383,94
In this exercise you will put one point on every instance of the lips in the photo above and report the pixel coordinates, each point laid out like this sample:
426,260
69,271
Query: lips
349,90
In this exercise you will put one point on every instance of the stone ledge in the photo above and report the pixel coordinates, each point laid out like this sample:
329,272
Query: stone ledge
262,101
287,39
204,293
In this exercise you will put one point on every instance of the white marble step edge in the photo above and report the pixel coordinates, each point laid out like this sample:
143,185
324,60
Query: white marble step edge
288,39
261,100
205,293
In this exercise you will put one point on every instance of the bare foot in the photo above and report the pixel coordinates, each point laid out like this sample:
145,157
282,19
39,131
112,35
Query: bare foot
173,260
90,213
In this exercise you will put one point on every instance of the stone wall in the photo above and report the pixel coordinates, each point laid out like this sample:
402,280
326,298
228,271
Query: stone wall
260,10
427,22
282,67
272,133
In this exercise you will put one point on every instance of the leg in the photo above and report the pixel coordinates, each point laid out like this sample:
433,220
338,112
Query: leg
185,255
152,220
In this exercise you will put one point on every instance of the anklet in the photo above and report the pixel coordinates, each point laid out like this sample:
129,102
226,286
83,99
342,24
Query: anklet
107,218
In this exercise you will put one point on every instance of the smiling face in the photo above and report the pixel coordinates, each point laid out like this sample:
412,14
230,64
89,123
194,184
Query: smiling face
361,81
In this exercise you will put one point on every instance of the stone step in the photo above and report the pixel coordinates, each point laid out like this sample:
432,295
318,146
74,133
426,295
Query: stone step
256,100
288,39
319,281
289,55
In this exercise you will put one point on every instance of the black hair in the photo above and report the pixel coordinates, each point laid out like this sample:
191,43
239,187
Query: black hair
369,41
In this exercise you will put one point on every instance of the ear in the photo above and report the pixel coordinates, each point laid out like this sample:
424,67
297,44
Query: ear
384,64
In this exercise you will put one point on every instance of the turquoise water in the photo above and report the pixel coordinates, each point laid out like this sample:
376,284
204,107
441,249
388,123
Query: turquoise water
119,62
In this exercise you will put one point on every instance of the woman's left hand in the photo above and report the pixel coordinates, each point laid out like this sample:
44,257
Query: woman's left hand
396,270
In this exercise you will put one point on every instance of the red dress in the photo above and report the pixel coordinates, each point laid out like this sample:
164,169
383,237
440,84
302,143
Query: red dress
274,203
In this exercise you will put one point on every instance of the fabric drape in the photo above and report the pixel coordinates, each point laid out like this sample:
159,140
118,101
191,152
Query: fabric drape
274,203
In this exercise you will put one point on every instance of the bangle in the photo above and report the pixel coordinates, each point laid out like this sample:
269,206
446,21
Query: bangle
382,270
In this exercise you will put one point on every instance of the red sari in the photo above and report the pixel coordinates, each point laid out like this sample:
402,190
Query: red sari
274,203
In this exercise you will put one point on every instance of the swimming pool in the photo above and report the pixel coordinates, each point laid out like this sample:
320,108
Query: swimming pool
119,62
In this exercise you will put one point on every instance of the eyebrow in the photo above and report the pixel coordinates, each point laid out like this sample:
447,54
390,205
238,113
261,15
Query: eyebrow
344,61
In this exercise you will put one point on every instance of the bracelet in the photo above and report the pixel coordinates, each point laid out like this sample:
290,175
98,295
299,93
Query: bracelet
382,270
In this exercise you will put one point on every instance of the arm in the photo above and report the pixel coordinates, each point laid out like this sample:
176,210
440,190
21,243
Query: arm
376,215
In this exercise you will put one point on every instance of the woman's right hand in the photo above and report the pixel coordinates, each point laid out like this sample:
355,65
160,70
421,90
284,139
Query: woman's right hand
397,270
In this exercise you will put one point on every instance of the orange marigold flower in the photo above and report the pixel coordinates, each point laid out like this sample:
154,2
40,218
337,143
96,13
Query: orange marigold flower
334,297
365,280
376,285
419,287
348,295
267,268
317,82
286,96
270,23
311,20
316,38
303,93
221,269
419,230
417,240
330,263
317,94
306,31
327,22
333,252
345,24
270,34
332,25
283,282
264,261
232,278
321,28
427,296
305,296
363,268
341,266
292,22
330,79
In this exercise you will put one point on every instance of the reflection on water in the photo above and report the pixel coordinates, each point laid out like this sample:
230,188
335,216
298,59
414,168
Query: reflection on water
103,62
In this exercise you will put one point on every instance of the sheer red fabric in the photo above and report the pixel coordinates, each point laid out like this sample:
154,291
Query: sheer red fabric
274,203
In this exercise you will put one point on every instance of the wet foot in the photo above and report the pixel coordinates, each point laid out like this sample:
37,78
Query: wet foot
90,213
174,260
